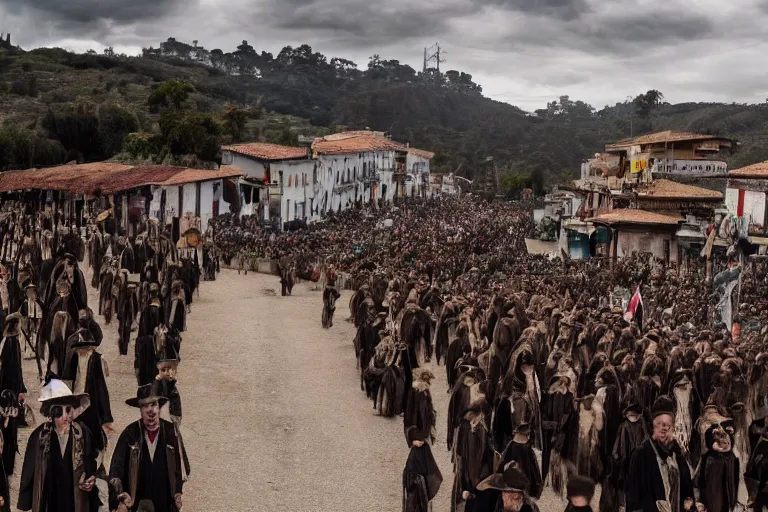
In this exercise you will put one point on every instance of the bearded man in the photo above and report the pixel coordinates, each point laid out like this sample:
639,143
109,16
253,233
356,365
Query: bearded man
146,463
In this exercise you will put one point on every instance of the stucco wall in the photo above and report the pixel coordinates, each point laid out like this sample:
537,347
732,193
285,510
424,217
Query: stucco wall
206,203
630,242
252,167
190,199
296,188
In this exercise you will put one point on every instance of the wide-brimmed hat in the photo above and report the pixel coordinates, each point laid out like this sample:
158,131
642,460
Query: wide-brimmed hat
512,480
56,392
146,394
12,324
82,338
170,354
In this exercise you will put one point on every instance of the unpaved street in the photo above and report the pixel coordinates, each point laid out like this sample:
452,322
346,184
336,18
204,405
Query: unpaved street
274,418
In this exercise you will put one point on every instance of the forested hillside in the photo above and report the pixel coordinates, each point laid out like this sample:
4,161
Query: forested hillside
181,101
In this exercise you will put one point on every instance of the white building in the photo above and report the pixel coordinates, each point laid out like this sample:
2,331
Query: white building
417,172
364,166
347,168
746,196
261,187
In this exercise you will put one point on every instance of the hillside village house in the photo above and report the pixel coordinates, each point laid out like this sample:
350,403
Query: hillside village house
670,154
746,196
345,169
264,166
631,203
174,195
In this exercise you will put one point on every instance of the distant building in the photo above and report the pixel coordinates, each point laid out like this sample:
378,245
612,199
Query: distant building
746,196
344,169
670,154
262,186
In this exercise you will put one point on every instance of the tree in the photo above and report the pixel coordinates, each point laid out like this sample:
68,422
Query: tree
190,133
645,103
171,92
234,123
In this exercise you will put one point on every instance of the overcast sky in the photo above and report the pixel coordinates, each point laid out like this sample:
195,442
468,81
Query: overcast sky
525,52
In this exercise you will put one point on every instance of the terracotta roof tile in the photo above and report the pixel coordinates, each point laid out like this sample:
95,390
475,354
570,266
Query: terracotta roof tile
354,142
107,177
422,153
195,175
758,170
633,216
667,189
661,137
265,151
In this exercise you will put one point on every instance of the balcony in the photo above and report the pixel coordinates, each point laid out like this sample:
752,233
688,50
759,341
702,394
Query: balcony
700,168
371,177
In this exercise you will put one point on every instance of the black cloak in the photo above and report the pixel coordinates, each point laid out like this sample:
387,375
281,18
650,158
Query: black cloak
421,479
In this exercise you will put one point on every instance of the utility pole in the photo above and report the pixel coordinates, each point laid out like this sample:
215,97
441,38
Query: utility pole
436,57
424,70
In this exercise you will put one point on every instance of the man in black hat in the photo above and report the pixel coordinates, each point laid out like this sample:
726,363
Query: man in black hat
146,464
506,492
659,478
580,492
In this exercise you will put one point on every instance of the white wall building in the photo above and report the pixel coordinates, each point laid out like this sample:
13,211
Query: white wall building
346,169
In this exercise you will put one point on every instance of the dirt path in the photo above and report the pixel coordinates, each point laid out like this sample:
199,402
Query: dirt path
274,418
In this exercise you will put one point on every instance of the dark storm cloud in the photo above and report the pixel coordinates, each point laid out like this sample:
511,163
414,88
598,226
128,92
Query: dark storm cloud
595,50
560,9
84,11
364,19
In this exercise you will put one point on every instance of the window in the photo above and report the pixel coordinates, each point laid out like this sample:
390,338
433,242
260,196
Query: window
296,180
289,180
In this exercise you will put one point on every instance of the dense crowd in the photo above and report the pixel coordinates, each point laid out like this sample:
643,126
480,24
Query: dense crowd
646,378
146,287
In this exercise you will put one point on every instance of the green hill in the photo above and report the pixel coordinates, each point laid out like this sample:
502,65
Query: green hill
56,106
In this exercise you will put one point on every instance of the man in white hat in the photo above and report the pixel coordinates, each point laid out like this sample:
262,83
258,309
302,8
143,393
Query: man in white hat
59,463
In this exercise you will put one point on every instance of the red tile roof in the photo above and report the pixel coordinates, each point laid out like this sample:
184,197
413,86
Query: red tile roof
264,151
667,189
632,216
195,175
106,177
661,137
422,153
354,142
759,170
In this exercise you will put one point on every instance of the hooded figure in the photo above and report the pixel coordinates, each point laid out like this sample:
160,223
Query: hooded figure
421,476
87,371
419,411
519,454
687,408
580,492
9,411
718,478
330,295
558,416
177,315
473,455
630,435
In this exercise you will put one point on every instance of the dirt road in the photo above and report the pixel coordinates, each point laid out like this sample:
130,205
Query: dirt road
274,418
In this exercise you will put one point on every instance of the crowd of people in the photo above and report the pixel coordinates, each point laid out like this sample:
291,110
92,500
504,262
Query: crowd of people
48,322
637,375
